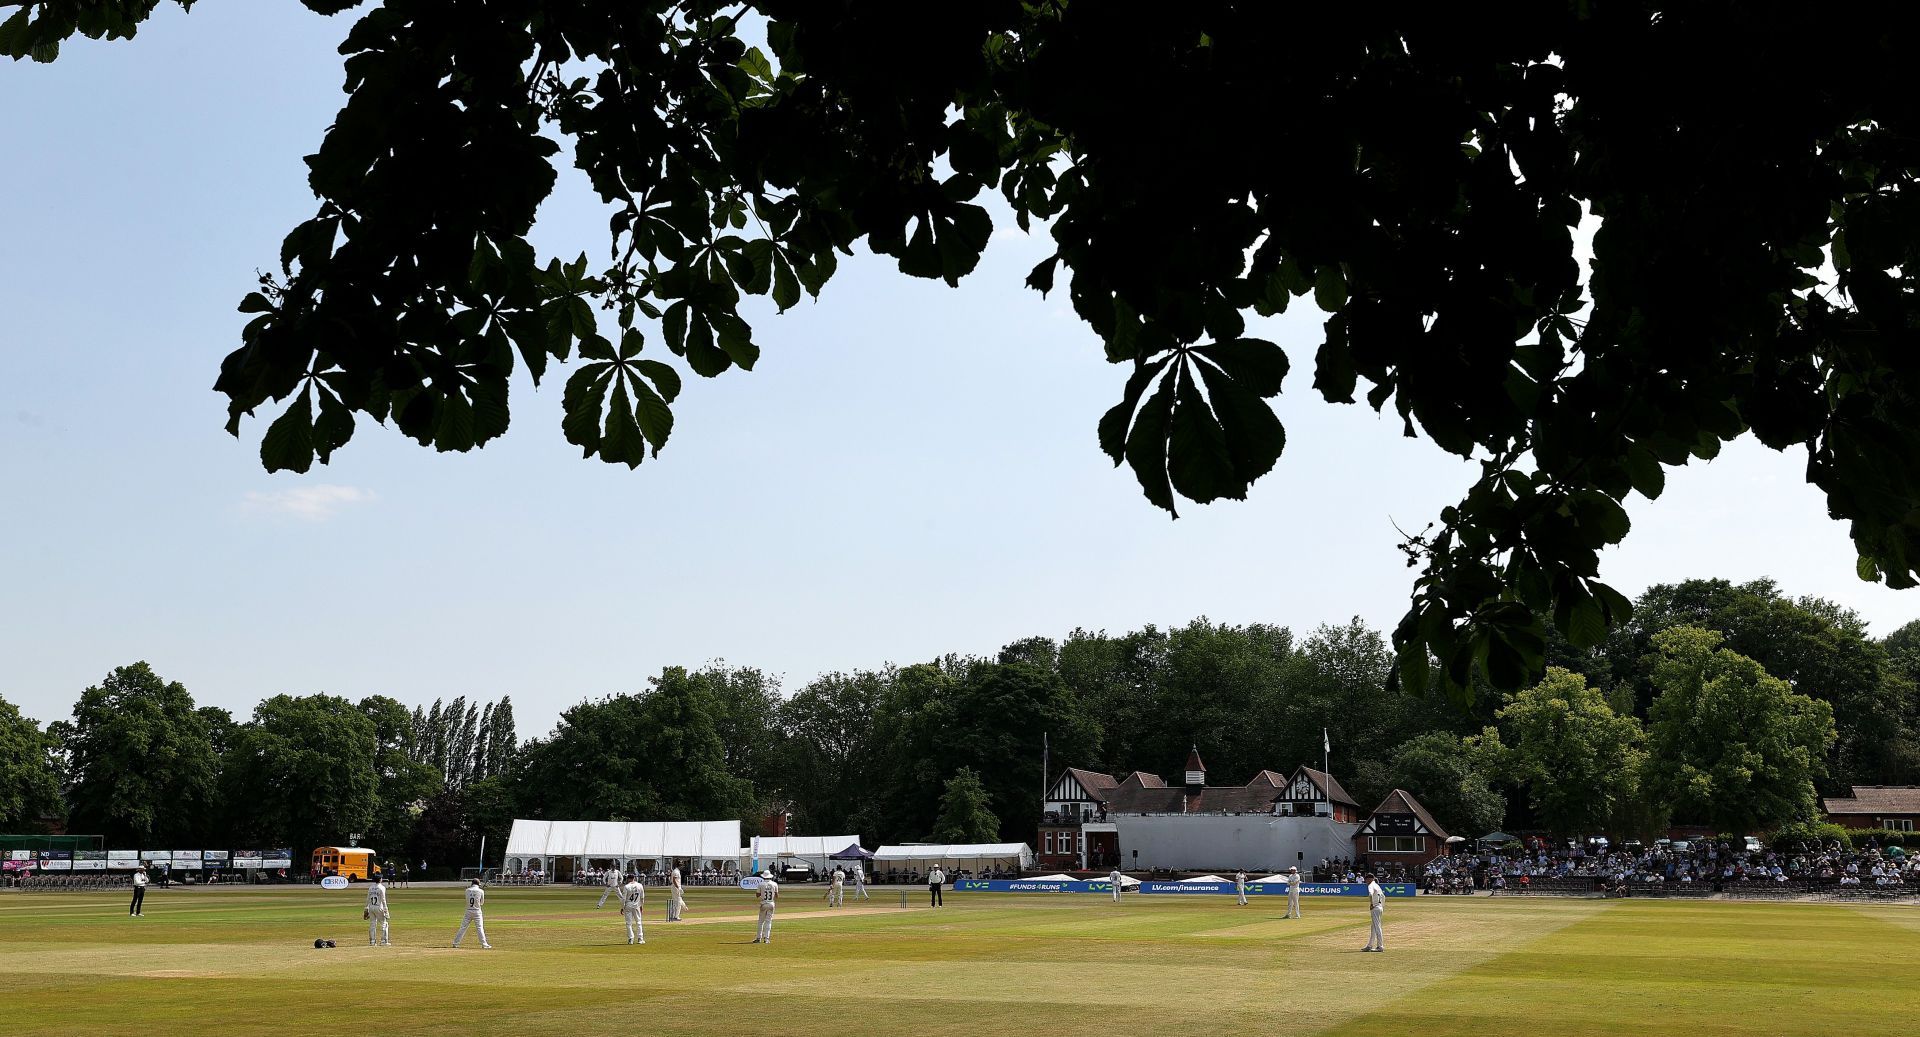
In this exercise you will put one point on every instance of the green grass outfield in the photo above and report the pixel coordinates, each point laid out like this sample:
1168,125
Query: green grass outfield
242,962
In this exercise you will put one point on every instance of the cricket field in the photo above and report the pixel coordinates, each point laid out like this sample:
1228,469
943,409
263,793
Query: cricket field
243,962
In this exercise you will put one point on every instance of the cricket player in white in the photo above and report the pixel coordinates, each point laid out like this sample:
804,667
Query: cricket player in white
1240,887
633,898
475,898
376,914
837,893
676,896
860,883
769,892
612,888
1115,878
1293,892
1377,903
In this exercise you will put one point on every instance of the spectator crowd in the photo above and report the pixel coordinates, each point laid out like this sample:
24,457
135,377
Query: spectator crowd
709,877
1345,869
653,877
1715,866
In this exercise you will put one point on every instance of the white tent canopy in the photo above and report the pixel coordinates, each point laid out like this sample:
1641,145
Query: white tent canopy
810,850
707,842
922,856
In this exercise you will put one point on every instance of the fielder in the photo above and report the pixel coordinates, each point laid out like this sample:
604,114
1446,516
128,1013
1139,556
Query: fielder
376,914
837,892
676,896
612,887
633,898
1293,892
1240,887
139,891
769,892
1377,903
860,883
1115,877
474,917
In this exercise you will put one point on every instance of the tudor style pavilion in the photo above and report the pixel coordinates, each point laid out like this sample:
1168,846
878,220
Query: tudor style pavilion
1093,821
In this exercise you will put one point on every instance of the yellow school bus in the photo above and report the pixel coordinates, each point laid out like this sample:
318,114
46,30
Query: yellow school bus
354,862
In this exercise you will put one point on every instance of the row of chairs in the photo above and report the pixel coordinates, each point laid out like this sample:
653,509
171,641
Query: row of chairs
1551,887
1866,891
74,883
1763,889
1671,890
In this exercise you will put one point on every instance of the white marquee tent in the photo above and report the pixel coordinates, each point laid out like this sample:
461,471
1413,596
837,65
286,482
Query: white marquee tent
972,856
559,847
808,850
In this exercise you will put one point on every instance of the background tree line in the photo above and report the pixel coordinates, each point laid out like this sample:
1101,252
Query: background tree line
1722,704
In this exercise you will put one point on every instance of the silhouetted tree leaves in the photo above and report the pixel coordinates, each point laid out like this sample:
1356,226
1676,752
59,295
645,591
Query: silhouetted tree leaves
1419,174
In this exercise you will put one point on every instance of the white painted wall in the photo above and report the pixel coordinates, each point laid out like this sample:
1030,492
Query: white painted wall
1216,842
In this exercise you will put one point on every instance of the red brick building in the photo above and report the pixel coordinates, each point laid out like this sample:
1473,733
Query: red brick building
774,821
1075,832
1875,806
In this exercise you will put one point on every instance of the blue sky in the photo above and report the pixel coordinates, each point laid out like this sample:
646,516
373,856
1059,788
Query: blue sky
910,471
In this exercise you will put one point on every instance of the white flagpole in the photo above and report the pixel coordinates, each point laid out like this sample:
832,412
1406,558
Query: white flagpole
1046,750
